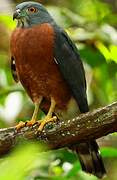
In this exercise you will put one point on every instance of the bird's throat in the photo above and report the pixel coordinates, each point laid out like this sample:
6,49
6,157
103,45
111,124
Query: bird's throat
23,23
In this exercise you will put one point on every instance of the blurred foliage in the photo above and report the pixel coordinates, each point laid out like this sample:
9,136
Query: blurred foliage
92,26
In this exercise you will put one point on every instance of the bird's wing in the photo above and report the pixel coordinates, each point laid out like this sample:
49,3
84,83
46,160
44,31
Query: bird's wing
14,70
67,57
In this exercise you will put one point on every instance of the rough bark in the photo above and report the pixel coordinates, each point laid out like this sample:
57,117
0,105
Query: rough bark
91,125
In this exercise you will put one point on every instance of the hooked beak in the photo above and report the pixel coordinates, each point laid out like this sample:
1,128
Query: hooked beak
16,14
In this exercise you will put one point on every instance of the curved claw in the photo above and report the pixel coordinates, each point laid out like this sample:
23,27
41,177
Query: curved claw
45,121
20,125
30,123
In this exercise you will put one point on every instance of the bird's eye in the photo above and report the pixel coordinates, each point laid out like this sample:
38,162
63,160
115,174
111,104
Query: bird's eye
32,9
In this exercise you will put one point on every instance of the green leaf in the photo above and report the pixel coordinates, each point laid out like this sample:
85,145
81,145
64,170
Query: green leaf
109,152
75,169
92,56
19,164
104,50
109,53
8,22
113,52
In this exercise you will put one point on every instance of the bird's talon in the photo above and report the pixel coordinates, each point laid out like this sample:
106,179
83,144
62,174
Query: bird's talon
26,123
45,121
30,123
20,125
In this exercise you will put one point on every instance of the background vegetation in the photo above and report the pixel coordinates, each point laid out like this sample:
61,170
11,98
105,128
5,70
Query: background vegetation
92,25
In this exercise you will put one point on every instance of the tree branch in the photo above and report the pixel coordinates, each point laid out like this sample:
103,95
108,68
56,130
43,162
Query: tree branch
91,125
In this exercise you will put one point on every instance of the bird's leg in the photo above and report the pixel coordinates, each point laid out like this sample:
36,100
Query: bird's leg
48,117
34,116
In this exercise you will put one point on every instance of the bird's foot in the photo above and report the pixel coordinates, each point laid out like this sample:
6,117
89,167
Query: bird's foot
46,120
22,124
41,123
30,123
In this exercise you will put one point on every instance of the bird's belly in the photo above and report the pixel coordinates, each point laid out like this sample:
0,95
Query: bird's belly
46,83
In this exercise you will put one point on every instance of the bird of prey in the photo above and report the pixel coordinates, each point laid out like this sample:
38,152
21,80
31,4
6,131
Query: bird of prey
47,63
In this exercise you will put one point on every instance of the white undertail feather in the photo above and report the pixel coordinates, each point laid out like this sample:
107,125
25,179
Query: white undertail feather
70,112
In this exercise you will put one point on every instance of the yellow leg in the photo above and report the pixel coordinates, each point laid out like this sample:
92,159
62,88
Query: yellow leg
48,117
34,116
35,113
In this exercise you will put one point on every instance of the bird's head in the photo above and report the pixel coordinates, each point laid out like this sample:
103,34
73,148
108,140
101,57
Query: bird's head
31,13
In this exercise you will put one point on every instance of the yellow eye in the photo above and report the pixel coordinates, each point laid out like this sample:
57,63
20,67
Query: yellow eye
32,9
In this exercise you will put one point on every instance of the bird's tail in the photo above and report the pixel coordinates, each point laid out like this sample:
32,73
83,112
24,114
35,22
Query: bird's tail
90,158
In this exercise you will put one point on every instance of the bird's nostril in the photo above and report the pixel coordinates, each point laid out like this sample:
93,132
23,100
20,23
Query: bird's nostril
18,11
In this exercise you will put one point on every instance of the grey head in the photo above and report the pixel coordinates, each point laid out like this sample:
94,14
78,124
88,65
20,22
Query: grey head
31,13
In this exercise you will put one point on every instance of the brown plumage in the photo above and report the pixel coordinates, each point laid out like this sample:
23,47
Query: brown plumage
36,67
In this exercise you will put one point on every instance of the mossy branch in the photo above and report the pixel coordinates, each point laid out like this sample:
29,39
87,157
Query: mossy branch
91,125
